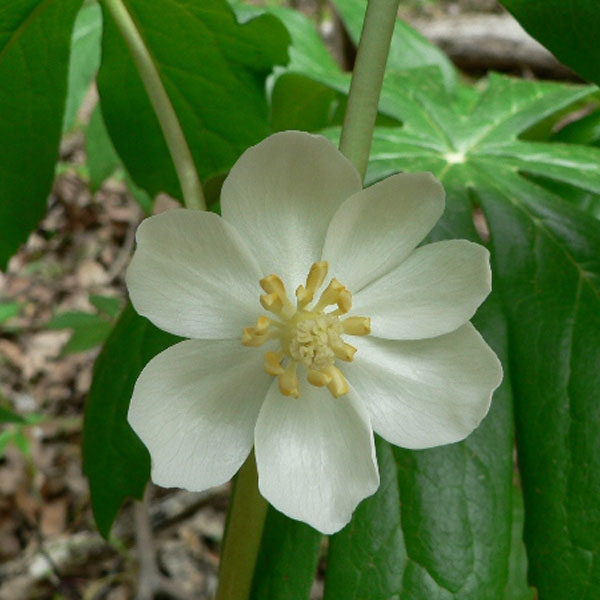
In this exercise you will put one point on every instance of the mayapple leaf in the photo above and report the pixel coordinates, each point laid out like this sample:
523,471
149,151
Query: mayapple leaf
287,560
547,257
440,524
546,263
85,60
214,72
35,38
115,461
516,586
568,29
102,158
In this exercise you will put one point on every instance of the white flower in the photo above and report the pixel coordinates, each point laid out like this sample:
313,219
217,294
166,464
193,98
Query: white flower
377,336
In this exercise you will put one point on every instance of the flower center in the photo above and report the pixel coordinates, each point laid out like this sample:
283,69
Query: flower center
308,336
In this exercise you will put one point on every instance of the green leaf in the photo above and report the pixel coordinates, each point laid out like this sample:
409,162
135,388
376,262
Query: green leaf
109,305
308,53
115,461
21,441
8,310
547,256
568,29
85,60
409,49
102,158
6,438
287,560
89,330
8,416
301,103
516,587
583,131
439,525
214,72
546,259
35,37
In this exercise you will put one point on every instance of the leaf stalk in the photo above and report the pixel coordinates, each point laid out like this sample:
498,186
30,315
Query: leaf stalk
243,535
367,79
193,196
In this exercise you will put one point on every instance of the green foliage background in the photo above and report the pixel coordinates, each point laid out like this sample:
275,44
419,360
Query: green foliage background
446,523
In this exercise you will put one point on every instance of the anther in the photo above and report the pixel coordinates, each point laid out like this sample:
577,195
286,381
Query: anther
357,325
272,302
288,381
273,363
318,378
314,281
345,352
276,296
330,295
338,385
257,336
344,301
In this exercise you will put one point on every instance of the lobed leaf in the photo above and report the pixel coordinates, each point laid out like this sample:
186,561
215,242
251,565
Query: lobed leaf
440,524
546,257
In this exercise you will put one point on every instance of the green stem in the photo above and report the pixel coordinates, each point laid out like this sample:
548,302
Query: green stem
367,78
243,535
171,128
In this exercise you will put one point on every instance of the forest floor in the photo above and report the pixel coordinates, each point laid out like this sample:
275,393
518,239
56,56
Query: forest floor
49,546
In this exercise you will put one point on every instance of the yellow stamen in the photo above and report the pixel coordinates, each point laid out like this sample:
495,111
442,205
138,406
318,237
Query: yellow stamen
288,381
276,297
273,363
318,378
309,337
314,281
338,385
345,352
330,295
344,301
357,325
272,302
257,336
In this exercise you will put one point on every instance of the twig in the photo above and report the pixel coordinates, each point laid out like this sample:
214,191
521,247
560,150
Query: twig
491,42
150,581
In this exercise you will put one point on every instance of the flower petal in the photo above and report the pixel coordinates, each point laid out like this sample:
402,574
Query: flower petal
376,229
434,291
315,455
192,275
281,194
425,393
195,406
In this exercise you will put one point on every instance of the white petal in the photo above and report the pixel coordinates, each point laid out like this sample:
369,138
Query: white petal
425,393
195,406
315,456
192,275
281,194
376,229
434,291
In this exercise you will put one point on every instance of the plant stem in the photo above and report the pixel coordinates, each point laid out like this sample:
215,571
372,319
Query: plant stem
193,196
367,78
243,535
